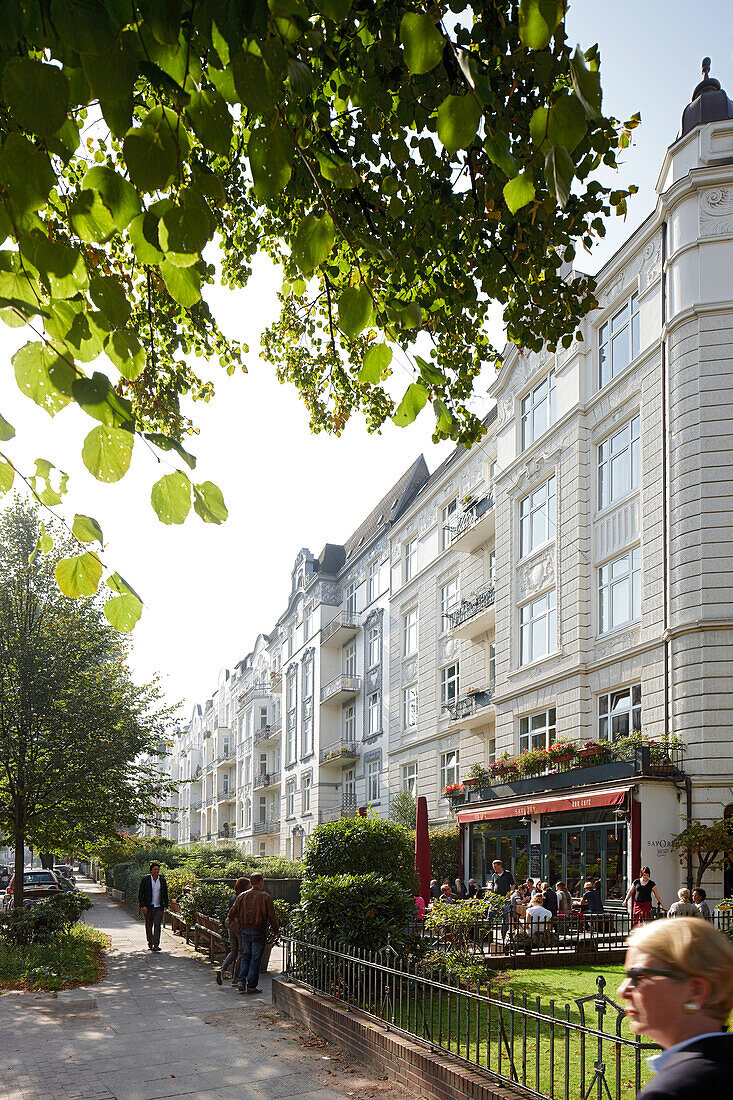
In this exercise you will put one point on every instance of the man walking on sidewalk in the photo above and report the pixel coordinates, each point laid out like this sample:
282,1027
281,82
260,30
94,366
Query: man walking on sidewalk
153,899
254,911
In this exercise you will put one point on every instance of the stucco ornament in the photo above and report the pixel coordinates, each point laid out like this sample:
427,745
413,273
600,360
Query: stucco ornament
537,574
716,212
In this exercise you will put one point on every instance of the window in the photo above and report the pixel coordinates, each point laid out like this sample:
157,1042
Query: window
491,665
448,601
447,531
448,685
409,706
619,713
307,735
410,560
291,690
248,814
374,717
350,659
349,786
262,769
307,621
492,568
290,741
263,717
290,799
618,464
537,518
409,778
449,768
373,646
538,410
291,639
350,723
307,678
262,808
350,598
372,581
248,769
372,779
537,731
619,591
618,341
305,795
409,632
537,629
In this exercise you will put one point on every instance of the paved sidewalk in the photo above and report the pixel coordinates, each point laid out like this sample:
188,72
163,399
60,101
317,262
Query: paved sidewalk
155,1027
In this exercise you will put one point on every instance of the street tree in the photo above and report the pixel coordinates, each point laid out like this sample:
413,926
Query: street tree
711,844
403,809
79,741
406,165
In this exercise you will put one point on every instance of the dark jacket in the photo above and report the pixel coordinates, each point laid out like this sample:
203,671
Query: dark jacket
549,900
591,902
145,893
254,910
703,1069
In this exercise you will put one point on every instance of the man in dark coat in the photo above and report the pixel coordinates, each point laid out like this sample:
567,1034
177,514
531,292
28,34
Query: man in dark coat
153,900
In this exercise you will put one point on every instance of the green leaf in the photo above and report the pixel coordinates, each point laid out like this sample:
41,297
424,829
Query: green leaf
432,375
211,120
186,227
559,173
538,20
208,502
37,94
423,43
108,295
112,75
118,195
257,87
564,123
62,265
117,113
43,486
7,474
163,18
411,404
45,542
80,575
300,78
124,349
376,362
107,452
587,83
98,399
458,122
500,154
271,157
91,217
144,238
167,444
7,431
82,25
123,612
171,497
150,155
336,10
519,192
26,172
119,585
183,283
43,376
444,419
313,242
355,310
86,529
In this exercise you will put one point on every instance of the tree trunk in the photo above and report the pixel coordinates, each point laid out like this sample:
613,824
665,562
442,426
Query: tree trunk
19,837
46,861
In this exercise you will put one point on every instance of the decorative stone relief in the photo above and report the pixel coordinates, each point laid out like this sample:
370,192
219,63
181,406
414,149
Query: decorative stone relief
449,742
448,648
537,574
538,465
716,212
409,670
505,410
619,644
613,289
614,406
651,263
330,593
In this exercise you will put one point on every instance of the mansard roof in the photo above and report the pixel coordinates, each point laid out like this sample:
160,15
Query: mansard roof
390,507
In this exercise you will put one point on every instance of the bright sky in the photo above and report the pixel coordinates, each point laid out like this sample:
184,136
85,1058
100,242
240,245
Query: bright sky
210,590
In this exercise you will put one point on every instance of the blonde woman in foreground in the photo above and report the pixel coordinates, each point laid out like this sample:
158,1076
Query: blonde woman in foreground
679,993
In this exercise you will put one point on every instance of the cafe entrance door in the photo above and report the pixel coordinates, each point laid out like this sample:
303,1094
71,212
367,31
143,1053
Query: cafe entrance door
576,852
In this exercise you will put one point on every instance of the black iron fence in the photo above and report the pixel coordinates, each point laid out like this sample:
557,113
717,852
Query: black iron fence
553,1051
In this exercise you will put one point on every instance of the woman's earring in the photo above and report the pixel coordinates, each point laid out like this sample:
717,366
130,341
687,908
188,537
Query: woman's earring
691,1006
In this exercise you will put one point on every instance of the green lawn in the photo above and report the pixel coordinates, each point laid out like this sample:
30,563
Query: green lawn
73,958
564,983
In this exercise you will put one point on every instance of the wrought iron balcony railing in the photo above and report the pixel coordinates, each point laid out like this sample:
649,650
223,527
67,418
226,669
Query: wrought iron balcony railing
471,515
271,826
341,752
266,779
342,687
475,604
473,702
345,623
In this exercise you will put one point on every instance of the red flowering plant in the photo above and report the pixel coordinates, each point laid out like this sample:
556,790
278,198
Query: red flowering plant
562,752
505,767
453,790
532,762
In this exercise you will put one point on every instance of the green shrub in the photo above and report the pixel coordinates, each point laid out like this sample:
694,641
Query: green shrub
361,846
363,910
444,853
46,919
179,880
208,898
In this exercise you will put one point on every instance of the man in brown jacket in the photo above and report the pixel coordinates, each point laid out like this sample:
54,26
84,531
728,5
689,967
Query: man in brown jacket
254,911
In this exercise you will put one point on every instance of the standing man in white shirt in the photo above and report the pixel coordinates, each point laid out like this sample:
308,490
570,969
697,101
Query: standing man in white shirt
153,899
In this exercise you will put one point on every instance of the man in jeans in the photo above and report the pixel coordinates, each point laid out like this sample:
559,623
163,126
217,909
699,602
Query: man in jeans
254,911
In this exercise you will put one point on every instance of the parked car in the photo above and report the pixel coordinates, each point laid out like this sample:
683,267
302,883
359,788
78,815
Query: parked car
67,886
65,870
36,885
5,873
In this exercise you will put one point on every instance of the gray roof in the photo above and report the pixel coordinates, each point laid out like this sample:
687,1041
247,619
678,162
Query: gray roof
389,508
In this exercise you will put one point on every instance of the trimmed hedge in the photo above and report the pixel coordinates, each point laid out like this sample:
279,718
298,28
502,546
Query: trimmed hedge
362,910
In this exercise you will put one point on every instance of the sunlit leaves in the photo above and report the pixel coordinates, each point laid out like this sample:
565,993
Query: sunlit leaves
587,83
538,20
559,171
355,310
26,172
98,399
564,123
107,452
210,120
124,349
337,10
313,242
171,497
118,195
43,376
519,192
7,431
271,157
150,154
185,228
376,362
500,154
7,473
44,544
108,294
256,85
208,502
37,94
458,121
123,610
411,404
79,575
48,483
183,283
422,42
144,238
86,529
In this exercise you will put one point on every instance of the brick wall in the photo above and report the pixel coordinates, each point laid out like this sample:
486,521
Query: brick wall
426,1076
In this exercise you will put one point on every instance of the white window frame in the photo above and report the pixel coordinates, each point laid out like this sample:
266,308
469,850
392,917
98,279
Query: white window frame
308,678
619,464
307,623
350,724
409,559
409,777
621,703
449,597
372,581
350,598
374,646
409,706
305,794
450,685
248,814
537,411
373,780
450,767
446,528
615,576
538,622
349,659
537,517
290,798
539,730
374,715
409,632
307,735
291,639
619,341
349,784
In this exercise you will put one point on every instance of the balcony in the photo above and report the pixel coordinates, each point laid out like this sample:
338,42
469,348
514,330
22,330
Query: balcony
266,779
276,680
226,794
475,526
342,628
265,733
342,688
225,758
272,826
228,831
471,709
261,690
196,805
347,808
345,752
474,615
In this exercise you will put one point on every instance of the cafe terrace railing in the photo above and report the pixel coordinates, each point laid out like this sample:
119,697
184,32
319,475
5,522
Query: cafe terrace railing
552,1051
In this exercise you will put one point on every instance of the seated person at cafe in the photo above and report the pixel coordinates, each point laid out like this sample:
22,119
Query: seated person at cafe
591,899
538,917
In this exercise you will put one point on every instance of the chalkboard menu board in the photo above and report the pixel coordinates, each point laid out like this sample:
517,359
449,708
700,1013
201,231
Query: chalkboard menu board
535,861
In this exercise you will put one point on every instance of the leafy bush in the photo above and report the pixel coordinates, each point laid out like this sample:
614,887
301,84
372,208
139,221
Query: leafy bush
361,846
444,853
43,921
403,810
179,880
363,910
211,899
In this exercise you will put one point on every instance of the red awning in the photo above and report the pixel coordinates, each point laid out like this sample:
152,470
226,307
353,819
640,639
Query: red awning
529,807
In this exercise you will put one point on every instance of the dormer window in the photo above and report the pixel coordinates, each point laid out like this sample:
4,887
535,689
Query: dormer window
618,341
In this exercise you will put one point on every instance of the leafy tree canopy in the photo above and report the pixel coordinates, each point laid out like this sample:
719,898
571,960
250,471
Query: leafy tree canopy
711,843
407,166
